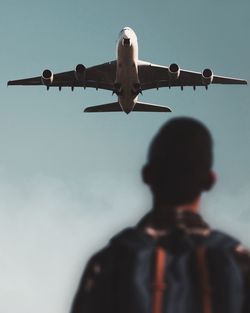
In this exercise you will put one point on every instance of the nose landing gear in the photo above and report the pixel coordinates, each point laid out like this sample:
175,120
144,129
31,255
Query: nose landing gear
117,89
137,89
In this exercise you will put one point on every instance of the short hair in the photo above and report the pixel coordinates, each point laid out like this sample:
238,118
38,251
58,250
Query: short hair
180,160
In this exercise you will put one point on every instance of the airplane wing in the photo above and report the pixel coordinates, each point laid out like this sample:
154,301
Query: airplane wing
156,76
100,76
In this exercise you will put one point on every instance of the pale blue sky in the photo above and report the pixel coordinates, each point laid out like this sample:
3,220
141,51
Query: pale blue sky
68,180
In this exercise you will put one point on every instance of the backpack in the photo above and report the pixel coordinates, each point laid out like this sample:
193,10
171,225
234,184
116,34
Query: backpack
178,273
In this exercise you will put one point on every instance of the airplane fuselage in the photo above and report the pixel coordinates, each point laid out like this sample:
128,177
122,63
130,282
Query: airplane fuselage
127,84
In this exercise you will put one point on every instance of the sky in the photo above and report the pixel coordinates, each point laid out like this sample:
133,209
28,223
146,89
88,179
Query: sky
68,180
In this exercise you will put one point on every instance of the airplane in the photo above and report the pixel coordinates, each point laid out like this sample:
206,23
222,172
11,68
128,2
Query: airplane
127,77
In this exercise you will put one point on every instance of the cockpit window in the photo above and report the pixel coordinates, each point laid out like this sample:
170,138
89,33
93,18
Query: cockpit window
126,42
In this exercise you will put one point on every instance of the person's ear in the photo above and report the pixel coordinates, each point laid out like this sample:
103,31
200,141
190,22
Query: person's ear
210,181
146,176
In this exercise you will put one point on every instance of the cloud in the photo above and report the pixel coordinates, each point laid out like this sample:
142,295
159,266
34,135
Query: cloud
230,211
48,230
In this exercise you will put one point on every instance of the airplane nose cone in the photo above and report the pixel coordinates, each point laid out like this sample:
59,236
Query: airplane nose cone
127,33
126,28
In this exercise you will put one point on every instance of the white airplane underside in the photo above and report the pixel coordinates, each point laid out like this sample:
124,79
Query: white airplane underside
127,77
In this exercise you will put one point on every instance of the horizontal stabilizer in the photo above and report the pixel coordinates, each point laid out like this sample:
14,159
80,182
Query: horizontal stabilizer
108,107
147,107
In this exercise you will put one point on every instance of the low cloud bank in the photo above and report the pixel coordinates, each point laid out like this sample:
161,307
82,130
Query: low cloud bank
49,228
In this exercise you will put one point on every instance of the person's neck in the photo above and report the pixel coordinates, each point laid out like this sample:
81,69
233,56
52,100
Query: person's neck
162,207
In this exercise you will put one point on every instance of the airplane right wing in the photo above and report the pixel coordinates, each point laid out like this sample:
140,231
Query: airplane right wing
156,76
99,76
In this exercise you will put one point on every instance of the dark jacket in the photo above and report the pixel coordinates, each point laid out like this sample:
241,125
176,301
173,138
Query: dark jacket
97,289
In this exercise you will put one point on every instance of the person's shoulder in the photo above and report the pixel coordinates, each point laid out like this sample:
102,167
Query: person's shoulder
104,255
98,259
240,253
242,256
96,268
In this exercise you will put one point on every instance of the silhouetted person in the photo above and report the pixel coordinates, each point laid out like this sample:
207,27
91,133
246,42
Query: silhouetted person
172,261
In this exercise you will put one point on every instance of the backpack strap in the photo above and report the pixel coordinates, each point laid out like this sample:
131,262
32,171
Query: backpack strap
203,279
159,285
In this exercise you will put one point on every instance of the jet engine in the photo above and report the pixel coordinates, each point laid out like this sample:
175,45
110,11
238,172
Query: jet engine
80,73
207,77
47,77
174,71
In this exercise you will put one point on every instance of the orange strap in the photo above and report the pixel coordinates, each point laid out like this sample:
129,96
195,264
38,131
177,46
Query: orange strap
159,284
203,280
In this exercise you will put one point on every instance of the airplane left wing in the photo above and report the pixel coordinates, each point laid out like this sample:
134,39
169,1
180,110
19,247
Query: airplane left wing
156,76
100,76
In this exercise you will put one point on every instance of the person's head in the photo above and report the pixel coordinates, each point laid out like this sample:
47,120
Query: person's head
179,165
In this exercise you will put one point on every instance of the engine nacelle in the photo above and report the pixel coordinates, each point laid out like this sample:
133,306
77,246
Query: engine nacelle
47,77
80,73
174,71
207,77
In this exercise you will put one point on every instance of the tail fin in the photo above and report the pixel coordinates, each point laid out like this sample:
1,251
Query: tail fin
148,107
108,107
139,107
